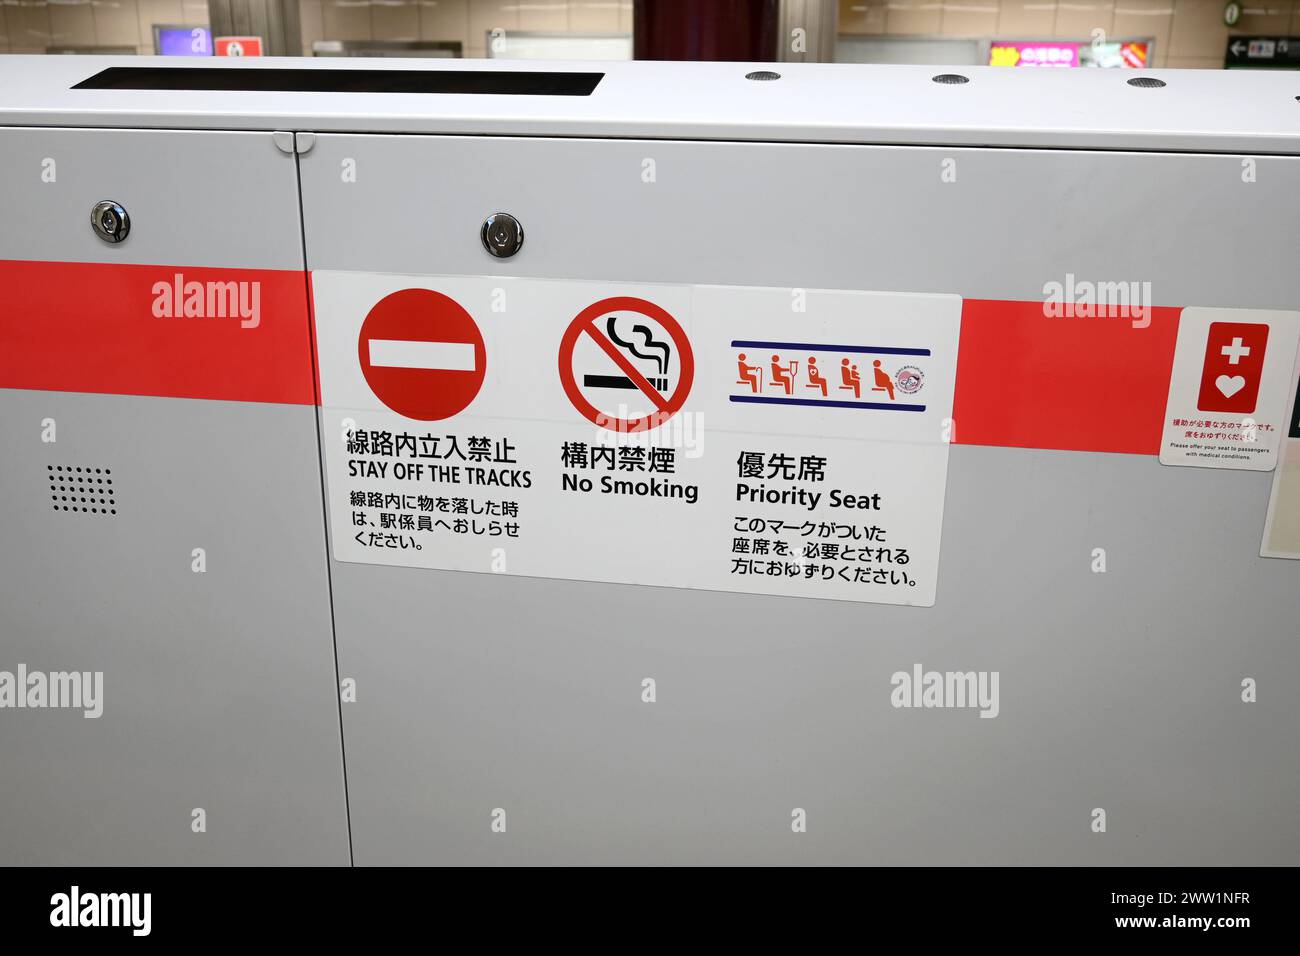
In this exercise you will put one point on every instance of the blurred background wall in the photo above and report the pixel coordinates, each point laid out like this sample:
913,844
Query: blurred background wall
1183,33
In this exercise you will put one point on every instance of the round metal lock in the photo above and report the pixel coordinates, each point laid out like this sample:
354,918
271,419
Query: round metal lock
502,235
110,221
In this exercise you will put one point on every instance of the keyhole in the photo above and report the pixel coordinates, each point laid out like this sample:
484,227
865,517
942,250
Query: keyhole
501,235
109,221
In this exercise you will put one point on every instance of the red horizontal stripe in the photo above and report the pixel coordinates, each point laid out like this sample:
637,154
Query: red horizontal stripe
94,327
1029,380
1024,379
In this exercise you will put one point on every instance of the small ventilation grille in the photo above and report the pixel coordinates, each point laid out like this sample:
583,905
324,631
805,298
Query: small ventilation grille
1146,82
82,489
763,76
950,79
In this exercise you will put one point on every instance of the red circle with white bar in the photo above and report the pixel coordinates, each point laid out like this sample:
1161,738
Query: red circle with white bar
665,405
422,354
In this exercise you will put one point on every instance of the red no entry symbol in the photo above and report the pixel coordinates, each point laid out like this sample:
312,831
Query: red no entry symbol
422,354
639,341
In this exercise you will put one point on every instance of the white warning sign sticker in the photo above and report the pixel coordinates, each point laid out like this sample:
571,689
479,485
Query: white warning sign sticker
764,440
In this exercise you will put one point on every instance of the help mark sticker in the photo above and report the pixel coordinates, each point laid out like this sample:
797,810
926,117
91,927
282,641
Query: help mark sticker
1229,388
770,441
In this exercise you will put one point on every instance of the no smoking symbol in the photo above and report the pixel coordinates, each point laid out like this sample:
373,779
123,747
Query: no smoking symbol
644,351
